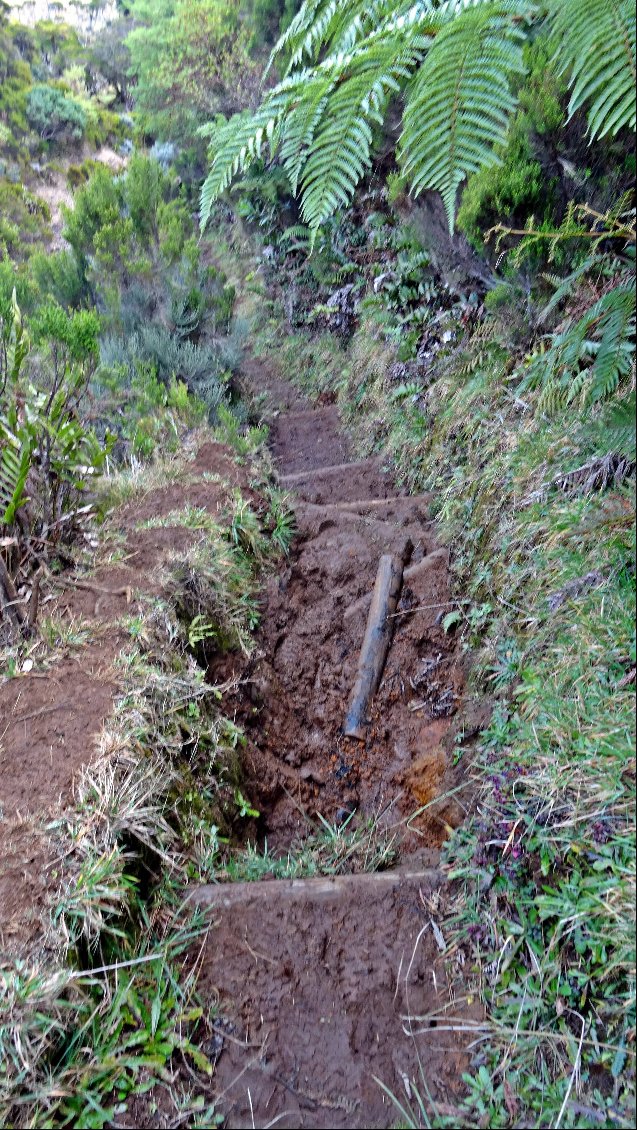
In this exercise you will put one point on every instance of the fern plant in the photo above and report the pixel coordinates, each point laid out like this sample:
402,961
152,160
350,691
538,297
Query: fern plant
17,438
589,357
450,61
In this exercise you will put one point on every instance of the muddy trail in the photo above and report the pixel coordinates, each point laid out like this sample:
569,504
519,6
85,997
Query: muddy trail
329,988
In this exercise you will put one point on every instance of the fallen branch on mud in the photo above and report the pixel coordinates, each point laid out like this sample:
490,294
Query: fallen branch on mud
377,639
410,574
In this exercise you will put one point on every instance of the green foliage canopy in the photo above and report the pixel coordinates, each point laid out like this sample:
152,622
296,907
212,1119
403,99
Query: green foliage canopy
189,57
451,63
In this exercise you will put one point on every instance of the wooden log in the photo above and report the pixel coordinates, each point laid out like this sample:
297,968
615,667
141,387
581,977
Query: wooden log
410,574
338,469
313,517
377,638
337,888
409,502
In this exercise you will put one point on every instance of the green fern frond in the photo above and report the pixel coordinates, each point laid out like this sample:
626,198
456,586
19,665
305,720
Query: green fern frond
588,359
615,318
335,25
596,43
461,102
301,125
564,287
621,432
237,142
298,233
303,36
340,152
16,453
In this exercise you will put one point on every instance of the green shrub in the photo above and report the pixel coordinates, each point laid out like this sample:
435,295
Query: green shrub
24,220
54,115
199,367
77,175
142,409
56,275
517,187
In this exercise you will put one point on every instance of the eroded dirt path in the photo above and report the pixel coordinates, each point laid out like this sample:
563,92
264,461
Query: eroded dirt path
321,979
348,513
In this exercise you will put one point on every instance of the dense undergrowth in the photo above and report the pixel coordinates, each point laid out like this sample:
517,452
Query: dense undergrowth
115,361
538,509
494,369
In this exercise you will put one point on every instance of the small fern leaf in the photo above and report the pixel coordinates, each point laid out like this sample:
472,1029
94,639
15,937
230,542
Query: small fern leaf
596,43
621,429
461,101
615,353
15,464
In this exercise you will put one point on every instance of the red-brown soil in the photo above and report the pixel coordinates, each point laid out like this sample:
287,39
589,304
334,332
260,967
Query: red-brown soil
313,984
325,988
293,694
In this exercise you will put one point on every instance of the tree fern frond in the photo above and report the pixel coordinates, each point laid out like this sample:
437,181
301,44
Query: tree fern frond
459,104
341,148
301,125
304,36
589,358
358,19
615,315
564,287
461,101
596,43
237,142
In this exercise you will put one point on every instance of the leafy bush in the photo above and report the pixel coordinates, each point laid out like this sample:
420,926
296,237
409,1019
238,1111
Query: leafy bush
514,188
77,175
57,276
47,456
24,220
190,58
54,115
170,359
142,410
135,248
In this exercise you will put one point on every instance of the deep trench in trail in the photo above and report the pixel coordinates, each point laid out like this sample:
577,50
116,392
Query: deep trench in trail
295,692
329,985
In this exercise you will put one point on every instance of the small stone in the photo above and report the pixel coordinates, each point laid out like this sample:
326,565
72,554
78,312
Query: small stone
308,773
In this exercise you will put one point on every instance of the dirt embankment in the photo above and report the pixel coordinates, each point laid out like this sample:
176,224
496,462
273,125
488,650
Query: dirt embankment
53,710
